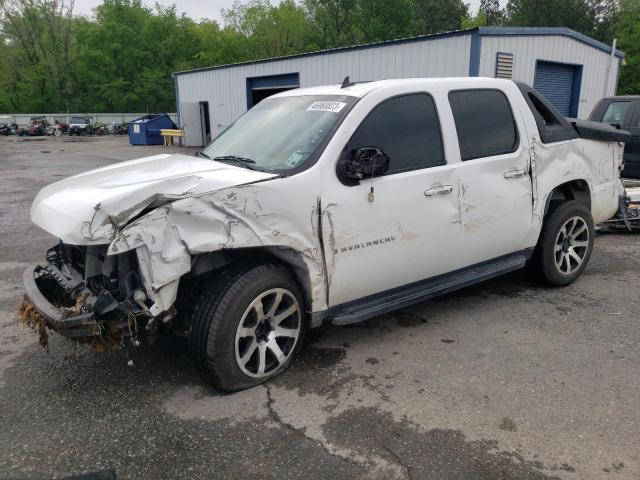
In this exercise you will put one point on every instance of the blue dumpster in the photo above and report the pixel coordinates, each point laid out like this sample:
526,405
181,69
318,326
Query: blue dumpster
146,130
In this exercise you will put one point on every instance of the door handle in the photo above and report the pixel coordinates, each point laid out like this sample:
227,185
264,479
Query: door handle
440,190
515,173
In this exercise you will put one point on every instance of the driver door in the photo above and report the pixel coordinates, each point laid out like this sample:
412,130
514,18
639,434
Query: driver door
404,226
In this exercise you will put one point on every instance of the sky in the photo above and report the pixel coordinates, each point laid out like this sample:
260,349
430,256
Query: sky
197,9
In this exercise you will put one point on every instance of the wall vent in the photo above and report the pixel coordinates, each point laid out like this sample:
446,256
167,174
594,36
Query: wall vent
504,65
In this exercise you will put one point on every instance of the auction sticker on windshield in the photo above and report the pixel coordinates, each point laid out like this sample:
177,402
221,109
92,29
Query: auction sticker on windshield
326,106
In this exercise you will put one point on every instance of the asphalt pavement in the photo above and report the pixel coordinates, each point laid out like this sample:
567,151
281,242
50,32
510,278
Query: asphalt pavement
504,380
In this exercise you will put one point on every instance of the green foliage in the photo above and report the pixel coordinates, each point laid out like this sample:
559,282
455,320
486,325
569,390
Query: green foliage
627,28
435,16
333,21
384,19
269,31
122,59
591,17
490,9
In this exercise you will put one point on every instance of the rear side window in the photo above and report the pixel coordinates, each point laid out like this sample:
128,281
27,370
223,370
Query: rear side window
407,129
616,112
484,122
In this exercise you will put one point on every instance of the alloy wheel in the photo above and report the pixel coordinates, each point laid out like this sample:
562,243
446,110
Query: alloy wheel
572,245
268,333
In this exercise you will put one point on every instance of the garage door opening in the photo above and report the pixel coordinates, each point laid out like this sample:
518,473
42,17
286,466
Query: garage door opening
560,84
259,88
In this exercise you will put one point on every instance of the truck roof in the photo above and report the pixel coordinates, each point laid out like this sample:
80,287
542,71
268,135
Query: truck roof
360,89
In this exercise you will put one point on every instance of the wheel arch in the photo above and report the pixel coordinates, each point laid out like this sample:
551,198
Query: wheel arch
578,190
289,258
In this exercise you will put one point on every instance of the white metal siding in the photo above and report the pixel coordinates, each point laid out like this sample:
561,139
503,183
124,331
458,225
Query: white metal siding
225,88
528,49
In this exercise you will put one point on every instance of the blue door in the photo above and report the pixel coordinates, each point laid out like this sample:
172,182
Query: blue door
560,84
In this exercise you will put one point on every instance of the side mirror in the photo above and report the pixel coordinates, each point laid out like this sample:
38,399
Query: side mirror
366,162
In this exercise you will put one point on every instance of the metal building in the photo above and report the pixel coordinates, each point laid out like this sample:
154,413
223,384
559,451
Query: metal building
572,70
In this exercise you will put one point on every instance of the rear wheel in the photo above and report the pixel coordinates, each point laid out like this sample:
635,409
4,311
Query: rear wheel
248,326
565,244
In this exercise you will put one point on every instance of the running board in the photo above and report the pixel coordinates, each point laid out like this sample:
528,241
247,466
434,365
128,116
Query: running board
384,302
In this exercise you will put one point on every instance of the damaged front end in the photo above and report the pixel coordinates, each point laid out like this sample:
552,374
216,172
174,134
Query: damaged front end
88,296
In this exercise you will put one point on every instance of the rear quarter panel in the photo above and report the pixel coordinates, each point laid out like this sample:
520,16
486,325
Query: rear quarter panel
593,161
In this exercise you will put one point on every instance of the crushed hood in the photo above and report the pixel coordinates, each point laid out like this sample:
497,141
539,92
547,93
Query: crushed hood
89,208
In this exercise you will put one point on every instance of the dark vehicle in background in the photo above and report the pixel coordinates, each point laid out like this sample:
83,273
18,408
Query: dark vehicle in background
81,126
623,113
8,125
8,129
118,128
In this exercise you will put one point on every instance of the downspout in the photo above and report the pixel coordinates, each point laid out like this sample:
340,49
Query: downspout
178,116
607,82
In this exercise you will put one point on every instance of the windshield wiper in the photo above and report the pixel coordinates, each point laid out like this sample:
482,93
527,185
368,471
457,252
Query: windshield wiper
245,162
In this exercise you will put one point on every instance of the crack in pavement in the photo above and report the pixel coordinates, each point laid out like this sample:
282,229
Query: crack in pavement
406,467
275,417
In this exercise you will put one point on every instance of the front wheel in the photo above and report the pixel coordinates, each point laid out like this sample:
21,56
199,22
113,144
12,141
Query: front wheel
565,244
248,327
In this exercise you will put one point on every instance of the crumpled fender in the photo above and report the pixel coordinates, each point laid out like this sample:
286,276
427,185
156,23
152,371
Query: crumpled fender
237,217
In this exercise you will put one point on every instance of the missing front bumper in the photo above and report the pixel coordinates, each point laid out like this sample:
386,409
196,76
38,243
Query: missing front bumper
100,320
69,322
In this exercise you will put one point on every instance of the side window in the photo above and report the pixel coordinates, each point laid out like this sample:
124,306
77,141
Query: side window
484,122
407,129
616,112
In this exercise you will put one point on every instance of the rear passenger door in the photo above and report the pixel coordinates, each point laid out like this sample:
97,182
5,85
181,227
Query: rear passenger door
496,189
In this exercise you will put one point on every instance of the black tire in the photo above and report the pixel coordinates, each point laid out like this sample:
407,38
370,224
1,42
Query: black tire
217,316
545,258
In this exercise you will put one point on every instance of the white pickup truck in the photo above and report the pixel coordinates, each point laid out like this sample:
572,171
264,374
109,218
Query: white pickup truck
335,203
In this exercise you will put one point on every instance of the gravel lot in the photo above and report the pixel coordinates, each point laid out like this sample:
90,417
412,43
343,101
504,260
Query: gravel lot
505,380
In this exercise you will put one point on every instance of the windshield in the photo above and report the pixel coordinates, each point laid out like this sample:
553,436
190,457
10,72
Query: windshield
279,134
79,120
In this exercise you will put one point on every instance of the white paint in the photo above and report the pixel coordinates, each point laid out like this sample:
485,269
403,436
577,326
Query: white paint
191,123
89,208
200,206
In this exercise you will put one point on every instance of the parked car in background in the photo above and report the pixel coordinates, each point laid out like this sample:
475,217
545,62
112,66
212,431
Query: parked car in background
327,204
81,126
623,112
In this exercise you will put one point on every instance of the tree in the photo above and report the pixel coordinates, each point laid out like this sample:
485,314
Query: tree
435,16
380,20
575,14
627,28
493,14
333,21
594,18
270,31
40,37
605,13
